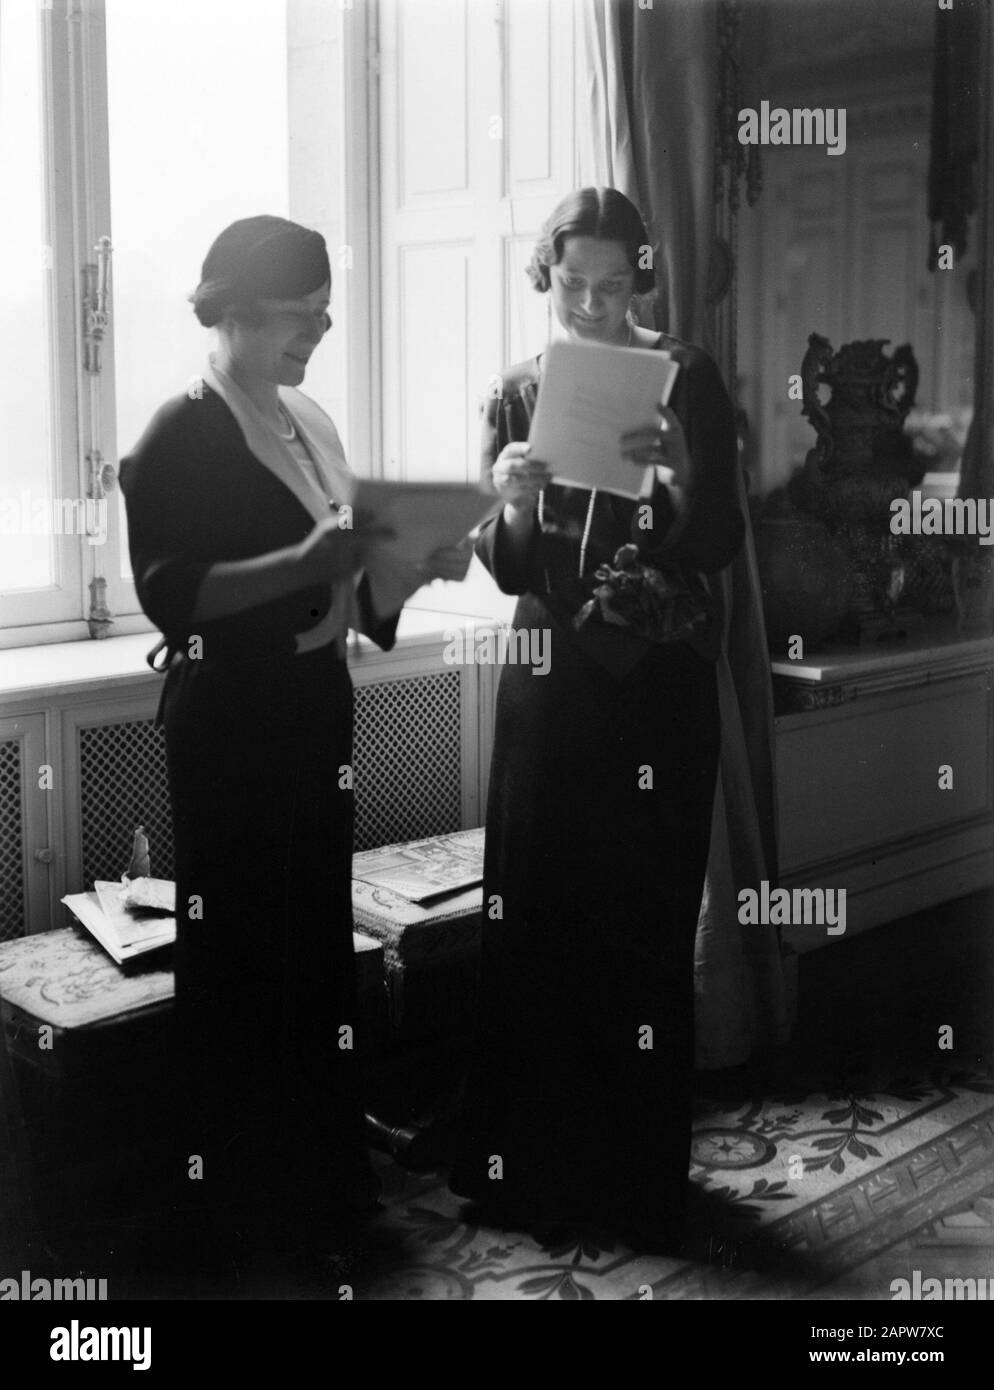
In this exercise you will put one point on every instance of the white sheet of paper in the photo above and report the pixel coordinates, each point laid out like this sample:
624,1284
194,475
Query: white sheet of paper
424,517
130,928
119,945
157,893
590,396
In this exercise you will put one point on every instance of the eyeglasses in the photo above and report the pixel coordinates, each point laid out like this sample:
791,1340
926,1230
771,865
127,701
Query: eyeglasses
293,309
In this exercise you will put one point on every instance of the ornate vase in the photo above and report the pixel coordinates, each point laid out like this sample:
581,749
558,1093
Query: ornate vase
806,580
862,461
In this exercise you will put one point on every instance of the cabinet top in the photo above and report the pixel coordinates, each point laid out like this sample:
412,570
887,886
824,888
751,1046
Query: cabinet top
936,645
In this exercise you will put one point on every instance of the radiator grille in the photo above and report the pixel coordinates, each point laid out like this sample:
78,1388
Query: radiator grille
12,903
123,783
407,765
407,759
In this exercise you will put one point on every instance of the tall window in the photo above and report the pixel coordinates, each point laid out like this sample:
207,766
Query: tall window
476,146
39,570
153,126
25,403
180,170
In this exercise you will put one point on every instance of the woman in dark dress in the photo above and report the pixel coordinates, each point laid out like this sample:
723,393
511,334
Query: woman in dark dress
578,1107
240,559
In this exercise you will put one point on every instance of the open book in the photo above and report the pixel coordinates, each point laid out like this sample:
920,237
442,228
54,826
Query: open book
116,914
424,869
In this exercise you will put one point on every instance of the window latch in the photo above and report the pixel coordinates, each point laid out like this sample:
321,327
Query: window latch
96,304
102,476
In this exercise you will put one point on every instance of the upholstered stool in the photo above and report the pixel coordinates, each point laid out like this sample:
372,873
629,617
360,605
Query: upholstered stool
16,1204
84,1035
87,1038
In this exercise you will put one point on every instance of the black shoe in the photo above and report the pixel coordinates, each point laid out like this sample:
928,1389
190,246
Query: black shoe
391,1139
418,1148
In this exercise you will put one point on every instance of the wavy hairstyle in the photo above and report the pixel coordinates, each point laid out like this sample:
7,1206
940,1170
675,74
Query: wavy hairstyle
602,213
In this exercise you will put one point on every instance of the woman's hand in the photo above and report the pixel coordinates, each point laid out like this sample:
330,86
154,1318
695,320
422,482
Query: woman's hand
660,446
333,551
449,562
519,479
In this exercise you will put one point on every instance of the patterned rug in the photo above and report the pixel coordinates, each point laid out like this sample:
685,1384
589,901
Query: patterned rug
800,1196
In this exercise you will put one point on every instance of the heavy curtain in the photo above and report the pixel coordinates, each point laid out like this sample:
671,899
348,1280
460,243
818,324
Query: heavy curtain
649,77
977,468
957,104
649,74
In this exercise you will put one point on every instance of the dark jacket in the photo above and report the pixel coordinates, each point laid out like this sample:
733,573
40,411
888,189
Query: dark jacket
196,495
701,539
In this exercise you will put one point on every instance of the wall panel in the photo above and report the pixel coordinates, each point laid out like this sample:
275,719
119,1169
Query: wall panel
433,114
476,117
434,338
530,93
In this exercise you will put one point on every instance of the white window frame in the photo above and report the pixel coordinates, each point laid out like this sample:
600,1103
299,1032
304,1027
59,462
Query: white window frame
360,124
77,212
60,605
105,561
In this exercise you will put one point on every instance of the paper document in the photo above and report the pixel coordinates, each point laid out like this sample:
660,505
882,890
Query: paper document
157,894
131,925
123,932
589,397
424,517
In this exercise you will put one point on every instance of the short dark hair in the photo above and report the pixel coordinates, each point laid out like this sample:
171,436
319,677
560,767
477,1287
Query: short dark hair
210,307
258,258
603,213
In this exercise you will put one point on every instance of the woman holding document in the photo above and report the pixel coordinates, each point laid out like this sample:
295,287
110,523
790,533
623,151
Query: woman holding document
578,1107
245,560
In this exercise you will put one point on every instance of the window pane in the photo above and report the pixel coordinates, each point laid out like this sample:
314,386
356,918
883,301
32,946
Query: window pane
197,98
27,517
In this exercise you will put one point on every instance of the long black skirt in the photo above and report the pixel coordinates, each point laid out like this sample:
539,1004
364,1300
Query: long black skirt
266,1016
578,1105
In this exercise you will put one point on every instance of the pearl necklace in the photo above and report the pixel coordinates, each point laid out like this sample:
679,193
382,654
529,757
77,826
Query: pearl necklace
590,505
586,533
